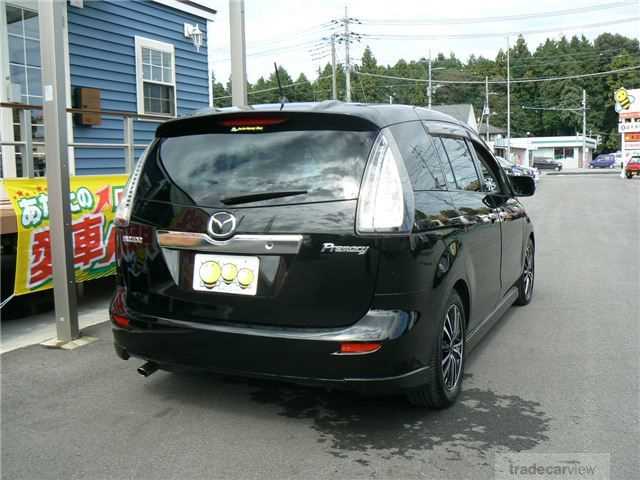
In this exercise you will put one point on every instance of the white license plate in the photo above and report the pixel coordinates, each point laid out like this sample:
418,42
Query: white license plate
235,274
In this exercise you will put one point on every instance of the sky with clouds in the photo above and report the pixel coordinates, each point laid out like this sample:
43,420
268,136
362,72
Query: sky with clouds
291,32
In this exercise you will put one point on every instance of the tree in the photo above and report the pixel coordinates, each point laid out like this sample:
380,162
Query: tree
552,58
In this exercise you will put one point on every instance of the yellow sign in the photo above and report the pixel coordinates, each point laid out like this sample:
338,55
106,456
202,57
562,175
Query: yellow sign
627,102
93,201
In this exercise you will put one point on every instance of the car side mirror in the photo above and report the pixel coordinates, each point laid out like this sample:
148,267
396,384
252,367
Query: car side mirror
523,186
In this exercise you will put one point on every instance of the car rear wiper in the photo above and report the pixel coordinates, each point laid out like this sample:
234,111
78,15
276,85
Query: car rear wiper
256,197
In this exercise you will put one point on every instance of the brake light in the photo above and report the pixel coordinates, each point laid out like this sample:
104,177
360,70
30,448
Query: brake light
125,205
252,121
359,347
386,203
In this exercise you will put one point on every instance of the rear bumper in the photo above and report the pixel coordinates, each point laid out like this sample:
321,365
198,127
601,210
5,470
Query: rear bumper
306,356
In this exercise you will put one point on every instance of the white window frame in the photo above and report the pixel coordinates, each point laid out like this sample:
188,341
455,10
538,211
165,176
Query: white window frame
140,43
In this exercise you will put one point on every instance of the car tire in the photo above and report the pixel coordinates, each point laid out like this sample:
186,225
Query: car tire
557,169
444,385
629,176
526,282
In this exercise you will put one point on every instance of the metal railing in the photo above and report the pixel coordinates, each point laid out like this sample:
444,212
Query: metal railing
26,143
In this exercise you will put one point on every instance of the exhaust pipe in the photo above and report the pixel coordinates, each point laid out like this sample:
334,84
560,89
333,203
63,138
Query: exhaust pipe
147,369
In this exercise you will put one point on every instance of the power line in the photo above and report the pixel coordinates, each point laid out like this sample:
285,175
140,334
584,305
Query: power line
525,16
270,51
503,82
462,36
311,31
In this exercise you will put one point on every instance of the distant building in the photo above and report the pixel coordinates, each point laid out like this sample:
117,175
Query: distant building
460,111
129,56
567,150
494,132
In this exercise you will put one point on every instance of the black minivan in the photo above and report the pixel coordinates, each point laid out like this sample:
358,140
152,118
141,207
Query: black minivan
352,246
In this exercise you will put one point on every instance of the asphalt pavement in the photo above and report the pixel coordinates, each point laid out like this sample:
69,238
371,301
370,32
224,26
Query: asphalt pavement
557,376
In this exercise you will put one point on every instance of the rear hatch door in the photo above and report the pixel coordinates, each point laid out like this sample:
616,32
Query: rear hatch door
274,194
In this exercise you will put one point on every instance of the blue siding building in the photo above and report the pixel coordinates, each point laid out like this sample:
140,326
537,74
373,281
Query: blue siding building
137,53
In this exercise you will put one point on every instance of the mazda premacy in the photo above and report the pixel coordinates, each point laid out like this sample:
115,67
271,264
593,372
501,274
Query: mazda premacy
365,247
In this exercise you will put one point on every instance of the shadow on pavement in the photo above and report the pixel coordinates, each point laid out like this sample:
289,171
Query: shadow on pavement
348,423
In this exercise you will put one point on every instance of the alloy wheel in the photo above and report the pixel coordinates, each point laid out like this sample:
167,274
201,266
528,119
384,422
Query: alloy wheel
528,272
452,347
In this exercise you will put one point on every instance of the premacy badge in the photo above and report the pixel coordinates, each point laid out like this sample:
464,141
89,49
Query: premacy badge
333,248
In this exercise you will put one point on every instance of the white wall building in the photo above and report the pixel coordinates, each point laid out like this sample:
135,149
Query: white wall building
567,150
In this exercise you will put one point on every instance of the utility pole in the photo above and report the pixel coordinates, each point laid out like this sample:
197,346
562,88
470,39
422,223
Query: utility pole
508,102
334,87
429,89
347,62
238,54
52,23
584,127
486,106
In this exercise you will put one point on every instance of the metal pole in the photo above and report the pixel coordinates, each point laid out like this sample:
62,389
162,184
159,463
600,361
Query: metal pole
624,151
129,151
27,149
347,60
429,84
390,99
508,102
52,27
487,110
238,54
584,127
334,86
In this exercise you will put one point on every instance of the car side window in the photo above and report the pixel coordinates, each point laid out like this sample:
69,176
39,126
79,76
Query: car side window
420,156
462,164
446,165
488,170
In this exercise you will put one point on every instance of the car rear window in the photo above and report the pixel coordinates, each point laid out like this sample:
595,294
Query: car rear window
208,168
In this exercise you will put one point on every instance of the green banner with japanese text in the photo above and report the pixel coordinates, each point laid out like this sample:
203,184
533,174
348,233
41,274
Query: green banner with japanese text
93,201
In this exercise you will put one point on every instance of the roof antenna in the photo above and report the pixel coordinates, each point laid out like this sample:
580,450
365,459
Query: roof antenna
283,99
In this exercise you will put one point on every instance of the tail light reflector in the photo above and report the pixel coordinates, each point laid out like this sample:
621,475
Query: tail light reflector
120,320
359,347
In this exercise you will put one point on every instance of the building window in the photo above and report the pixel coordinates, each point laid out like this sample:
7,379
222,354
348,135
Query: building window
156,77
23,40
561,153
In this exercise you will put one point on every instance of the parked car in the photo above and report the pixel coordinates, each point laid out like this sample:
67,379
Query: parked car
607,160
547,164
633,167
516,170
333,244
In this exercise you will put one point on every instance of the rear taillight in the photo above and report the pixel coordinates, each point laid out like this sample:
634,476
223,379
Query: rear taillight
125,205
386,203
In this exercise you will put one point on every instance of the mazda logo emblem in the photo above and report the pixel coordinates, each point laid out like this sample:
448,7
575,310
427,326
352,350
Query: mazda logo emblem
222,225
